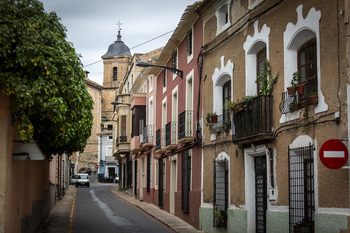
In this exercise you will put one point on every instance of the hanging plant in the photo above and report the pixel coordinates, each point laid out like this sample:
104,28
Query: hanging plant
266,80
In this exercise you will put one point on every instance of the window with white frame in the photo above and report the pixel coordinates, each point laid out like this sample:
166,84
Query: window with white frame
164,80
174,62
189,41
302,53
223,16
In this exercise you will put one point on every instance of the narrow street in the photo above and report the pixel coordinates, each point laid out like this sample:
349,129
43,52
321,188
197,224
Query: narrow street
97,210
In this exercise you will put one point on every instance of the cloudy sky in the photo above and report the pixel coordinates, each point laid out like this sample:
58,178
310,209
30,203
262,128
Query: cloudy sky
92,25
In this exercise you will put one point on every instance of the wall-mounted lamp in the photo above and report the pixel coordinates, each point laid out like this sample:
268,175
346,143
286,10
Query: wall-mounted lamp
175,71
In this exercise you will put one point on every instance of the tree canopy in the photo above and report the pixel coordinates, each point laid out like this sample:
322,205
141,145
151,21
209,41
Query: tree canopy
43,74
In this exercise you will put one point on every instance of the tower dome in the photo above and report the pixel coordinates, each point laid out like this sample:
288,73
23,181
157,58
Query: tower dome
118,48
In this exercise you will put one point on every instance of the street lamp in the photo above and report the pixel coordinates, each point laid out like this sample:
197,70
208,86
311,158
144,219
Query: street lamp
175,71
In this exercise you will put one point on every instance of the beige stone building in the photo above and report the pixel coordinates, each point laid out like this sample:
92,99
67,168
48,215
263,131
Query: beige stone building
264,174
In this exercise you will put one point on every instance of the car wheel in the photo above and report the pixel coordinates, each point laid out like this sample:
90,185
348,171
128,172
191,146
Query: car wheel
88,185
76,185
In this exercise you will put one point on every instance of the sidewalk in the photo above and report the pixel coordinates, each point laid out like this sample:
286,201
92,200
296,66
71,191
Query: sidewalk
59,218
170,220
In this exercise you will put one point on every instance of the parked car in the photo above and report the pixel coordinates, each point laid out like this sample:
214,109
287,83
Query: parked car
82,180
73,179
116,179
85,170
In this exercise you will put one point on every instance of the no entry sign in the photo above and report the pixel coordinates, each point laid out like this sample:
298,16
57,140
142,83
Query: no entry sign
333,154
96,166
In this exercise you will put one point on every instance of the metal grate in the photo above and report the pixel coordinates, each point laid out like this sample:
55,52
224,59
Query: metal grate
186,180
135,177
260,193
220,194
148,172
301,189
158,139
160,187
185,124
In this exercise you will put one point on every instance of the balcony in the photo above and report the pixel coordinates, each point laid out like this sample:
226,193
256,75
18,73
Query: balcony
292,102
171,135
122,147
186,127
160,141
254,122
147,137
111,159
135,145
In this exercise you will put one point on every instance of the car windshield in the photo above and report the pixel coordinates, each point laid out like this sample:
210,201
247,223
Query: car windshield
83,177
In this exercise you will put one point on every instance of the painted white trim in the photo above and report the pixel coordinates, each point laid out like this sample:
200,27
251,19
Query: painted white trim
219,77
219,26
189,77
190,57
252,46
293,37
221,157
249,172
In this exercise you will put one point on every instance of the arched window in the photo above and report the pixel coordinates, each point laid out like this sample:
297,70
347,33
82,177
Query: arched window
307,65
115,73
260,60
226,96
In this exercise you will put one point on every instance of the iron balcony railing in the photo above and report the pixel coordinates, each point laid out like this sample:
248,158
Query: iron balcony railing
160,139
255,118
186,124
147,133
170,133
292,102
123,139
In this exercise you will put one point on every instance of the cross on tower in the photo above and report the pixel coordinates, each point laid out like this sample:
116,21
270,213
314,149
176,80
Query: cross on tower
119,24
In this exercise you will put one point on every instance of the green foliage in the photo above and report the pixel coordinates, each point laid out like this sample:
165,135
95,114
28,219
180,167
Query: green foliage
266,80
43,74
209,118
296,79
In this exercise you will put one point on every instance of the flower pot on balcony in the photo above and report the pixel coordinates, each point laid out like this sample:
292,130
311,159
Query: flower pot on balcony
237,107
300,89
313,100
291,91
214,119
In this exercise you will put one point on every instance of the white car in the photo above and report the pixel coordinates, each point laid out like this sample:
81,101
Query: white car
82,180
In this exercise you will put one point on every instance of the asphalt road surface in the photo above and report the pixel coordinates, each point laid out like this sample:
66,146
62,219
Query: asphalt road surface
96,210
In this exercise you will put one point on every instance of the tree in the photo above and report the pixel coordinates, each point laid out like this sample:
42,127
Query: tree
42,73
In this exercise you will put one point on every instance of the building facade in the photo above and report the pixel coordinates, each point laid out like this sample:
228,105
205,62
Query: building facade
261,159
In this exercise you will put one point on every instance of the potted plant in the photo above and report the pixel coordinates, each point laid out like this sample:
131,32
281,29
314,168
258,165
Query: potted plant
220,218
211,118
313,98
305,225
229,105
295,84
247,99
227,126
265,80
237,107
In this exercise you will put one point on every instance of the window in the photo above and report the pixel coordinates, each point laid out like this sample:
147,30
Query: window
220,193
123,137
115,73
189,43
164,80
307,65
301,189
186,180
174,60
110,127
223,17
260,59
226,96
148,172
150,81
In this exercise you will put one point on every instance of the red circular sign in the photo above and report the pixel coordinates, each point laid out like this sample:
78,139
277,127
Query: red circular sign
96,166
334,154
